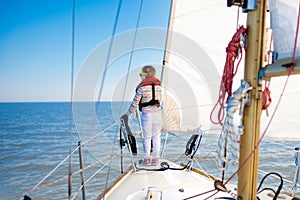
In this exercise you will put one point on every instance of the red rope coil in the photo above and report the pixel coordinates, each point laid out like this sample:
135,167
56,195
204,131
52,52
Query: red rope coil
232,50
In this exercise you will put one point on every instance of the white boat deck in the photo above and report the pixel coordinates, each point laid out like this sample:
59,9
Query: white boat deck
168,184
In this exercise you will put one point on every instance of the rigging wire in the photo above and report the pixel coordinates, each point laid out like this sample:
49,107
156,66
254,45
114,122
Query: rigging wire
126,79
71,99
131,54
107,61
128,68
104,74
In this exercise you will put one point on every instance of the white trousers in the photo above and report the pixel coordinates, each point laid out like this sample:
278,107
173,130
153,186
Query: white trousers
151,125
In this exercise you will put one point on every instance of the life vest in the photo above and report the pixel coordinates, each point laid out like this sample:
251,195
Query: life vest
152,102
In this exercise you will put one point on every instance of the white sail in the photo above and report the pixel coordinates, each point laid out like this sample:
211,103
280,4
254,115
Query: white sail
284,14
200,33
192,80
285,124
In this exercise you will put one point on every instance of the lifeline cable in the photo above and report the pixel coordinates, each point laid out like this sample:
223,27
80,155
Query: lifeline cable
38,187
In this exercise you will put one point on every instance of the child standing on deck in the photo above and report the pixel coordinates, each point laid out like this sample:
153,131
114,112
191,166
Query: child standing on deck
148,98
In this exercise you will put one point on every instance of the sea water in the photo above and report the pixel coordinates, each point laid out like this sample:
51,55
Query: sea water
35,138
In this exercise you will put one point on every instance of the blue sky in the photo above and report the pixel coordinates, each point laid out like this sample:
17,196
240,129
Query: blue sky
35,41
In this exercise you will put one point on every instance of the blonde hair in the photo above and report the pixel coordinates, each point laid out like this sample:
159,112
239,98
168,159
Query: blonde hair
149,70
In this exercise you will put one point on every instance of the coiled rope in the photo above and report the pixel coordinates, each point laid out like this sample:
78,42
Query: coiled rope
277,192
230,70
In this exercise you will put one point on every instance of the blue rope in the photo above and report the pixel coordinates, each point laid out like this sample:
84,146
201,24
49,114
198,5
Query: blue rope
296,156
228,144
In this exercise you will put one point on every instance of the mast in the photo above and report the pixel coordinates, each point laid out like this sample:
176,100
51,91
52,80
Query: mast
248,174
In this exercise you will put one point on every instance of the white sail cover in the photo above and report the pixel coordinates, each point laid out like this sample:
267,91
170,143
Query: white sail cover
284,15
196,54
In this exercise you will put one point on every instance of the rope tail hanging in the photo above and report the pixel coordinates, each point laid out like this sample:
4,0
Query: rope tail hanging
267,100
232,50
228,144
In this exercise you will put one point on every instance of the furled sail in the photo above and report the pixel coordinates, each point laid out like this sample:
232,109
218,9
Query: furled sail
196,52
